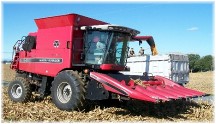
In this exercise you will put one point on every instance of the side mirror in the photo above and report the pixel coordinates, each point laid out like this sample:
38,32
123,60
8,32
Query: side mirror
82,57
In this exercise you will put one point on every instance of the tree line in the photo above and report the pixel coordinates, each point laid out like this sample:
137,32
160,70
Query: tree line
200,64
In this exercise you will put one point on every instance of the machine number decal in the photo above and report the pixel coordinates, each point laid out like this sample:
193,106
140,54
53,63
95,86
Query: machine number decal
41,60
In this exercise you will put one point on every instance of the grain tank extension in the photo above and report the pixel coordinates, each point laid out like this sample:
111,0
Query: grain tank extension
74,58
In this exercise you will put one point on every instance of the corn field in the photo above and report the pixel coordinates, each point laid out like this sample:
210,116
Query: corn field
112,111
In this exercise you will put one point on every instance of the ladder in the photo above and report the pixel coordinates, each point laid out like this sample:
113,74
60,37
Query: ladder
14,62
15,55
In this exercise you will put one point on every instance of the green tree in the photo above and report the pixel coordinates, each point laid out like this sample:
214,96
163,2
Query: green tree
193,62
204,64
199,65
207,63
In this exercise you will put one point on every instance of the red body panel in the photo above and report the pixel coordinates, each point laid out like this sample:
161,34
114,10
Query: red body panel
112,67
46,37
58,38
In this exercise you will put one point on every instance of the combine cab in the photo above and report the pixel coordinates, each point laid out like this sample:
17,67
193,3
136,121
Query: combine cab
74,58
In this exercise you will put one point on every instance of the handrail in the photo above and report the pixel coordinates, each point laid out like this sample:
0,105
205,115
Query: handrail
16,48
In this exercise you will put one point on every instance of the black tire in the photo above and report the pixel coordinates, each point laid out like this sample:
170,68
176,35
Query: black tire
68,91
19,90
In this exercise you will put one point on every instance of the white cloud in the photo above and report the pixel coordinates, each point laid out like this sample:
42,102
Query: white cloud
193,29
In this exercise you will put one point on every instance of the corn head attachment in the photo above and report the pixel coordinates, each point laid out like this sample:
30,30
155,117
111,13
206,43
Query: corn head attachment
146,88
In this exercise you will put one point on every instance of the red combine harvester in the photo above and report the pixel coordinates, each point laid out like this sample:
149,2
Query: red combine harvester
74,58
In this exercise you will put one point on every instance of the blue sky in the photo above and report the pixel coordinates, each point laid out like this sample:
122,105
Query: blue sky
176,27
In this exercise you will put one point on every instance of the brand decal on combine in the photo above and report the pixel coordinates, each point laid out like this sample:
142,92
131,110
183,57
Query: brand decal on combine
43,60
56,43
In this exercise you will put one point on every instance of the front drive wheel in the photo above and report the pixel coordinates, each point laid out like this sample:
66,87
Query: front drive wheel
19,90
68,91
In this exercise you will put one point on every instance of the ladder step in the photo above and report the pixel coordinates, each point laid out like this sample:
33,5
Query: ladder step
14,63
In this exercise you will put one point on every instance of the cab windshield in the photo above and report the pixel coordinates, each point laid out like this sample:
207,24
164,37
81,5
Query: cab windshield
106,47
